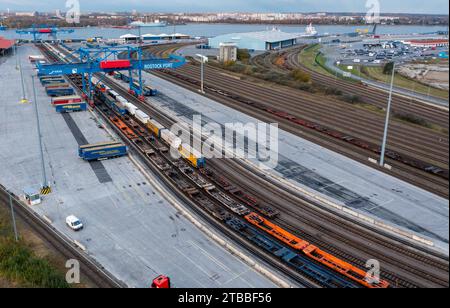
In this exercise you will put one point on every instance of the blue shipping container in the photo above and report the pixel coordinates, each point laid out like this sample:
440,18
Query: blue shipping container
71,107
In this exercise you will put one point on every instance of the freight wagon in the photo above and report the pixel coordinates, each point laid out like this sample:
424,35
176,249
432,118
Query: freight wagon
66,100
193,156
57,92
75,107
146,90
101,151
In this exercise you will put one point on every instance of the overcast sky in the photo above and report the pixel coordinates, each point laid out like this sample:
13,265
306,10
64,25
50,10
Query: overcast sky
394,6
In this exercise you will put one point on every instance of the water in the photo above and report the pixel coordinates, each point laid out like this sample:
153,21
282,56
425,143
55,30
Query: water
211,30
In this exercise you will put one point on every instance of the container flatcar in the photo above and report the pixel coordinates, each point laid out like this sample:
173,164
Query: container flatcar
171,139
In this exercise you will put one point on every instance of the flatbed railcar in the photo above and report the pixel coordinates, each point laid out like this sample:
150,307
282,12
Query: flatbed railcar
101,151
192,155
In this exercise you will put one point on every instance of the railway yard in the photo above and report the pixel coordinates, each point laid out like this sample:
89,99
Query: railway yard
314,220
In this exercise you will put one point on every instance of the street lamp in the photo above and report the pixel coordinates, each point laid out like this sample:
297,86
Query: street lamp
24,99
45,189
203,59
388,113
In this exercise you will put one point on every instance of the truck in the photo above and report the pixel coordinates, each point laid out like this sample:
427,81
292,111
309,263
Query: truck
74,107
102,151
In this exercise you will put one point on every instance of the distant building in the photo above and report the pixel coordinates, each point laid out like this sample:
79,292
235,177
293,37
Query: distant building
428,43
264,40
26,14
228,52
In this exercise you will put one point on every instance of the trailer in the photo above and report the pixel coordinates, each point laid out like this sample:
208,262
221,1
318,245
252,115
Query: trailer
58,92
74,107
73,99
101,151
46,82
57,85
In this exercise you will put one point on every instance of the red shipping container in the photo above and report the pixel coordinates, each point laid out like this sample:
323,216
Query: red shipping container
115,64
45,30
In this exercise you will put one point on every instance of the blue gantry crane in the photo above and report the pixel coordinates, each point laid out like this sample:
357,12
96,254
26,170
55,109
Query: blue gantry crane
39,30
108,60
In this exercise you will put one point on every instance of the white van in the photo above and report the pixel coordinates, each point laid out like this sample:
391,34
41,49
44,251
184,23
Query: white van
74,223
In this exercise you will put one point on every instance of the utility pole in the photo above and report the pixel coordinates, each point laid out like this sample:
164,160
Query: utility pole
45,189
13,218
388,113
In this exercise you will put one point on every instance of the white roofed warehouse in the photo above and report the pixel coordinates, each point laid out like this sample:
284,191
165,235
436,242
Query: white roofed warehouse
264,40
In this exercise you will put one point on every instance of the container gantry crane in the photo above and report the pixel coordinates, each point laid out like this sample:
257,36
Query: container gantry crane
37,31
108,60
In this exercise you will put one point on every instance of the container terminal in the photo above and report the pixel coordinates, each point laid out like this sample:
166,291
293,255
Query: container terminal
87,150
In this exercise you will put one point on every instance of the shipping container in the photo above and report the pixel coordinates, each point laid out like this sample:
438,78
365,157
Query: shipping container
142,117
74,107
115,64
193,156
66,100
131,108
119,108
102,151
155,127
171,139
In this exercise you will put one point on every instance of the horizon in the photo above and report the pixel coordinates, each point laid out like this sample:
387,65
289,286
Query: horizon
432,7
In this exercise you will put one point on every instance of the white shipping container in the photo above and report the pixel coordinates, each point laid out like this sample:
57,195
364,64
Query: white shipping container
171,138
131,108
142,116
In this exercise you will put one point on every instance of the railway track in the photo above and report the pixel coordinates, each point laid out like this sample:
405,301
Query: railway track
288,60
89,268
419,144
436,280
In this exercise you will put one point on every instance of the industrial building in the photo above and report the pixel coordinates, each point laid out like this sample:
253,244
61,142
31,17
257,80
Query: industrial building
228,52
132,38
264,40
6,46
